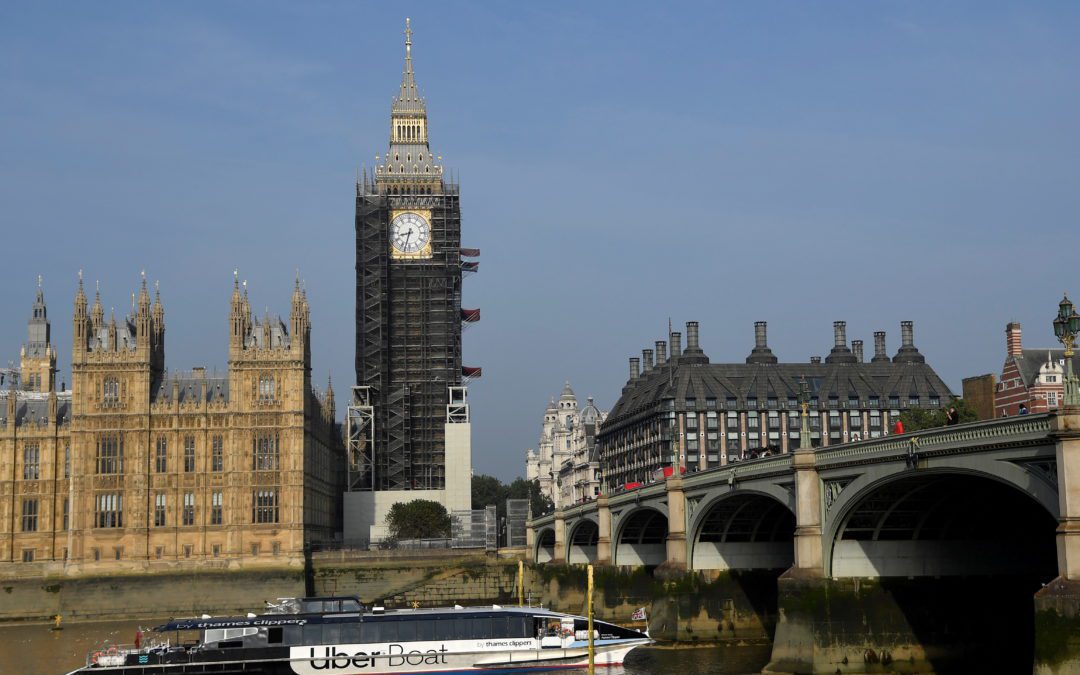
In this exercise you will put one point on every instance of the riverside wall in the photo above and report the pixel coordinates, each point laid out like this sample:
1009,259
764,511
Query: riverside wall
691,607
136,596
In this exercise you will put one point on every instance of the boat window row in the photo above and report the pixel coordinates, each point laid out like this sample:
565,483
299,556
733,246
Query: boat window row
428,629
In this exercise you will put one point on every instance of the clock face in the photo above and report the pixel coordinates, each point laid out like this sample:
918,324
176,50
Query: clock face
409,233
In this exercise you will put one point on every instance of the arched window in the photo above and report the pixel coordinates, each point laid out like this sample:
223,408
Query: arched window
266,388
265,454
110,390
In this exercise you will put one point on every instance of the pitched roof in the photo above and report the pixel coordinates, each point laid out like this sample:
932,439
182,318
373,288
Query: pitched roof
1030,360
781,381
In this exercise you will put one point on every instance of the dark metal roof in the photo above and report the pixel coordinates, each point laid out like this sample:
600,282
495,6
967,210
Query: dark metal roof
763,381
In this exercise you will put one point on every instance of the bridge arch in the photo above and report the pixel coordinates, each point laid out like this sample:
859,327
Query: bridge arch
746,529
545,545
641,537
582,539
941,521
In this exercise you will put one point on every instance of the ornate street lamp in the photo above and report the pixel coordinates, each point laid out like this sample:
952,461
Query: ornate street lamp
1066,328
804,404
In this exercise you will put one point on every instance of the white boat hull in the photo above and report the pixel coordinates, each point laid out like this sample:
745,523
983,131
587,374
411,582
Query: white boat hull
457,656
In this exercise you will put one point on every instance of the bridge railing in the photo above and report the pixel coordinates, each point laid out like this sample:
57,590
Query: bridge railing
960,437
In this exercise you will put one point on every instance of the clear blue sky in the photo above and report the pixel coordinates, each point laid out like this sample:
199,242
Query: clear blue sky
620,163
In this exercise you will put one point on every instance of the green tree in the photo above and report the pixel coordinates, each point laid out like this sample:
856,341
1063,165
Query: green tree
917,419
540,503
488,490
418,519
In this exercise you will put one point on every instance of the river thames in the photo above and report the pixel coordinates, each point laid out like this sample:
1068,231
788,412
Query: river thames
30,649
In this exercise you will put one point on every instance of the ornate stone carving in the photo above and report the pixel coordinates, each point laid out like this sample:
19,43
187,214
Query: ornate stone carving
1045,469
832,491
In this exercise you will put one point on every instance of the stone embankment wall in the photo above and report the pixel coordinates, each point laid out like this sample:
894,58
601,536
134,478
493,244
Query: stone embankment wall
1057,628
721,606
142,596
922,625
728,606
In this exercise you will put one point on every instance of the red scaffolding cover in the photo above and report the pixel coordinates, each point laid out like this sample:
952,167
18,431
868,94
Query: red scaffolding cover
470,253
470,315
470,265
469,371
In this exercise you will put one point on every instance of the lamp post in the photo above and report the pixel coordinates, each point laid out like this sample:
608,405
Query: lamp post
804,404
1066,328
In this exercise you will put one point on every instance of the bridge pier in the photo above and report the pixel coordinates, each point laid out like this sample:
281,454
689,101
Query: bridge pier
800,589
809,561
530,541
676,537
560,538
603,541
1057,605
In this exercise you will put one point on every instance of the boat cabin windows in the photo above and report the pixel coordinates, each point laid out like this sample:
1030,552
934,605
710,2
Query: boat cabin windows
225,638
329,605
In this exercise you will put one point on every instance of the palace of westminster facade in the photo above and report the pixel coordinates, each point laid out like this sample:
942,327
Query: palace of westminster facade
138,468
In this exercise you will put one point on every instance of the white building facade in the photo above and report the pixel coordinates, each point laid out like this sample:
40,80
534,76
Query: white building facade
565,462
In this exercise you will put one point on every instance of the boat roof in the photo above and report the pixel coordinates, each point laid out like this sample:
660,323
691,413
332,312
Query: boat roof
300,619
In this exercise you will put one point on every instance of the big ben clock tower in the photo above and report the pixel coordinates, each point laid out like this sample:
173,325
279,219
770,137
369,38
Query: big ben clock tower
408,425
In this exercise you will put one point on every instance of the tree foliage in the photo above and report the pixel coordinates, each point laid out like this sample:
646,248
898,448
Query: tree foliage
418,519
917,419
488,490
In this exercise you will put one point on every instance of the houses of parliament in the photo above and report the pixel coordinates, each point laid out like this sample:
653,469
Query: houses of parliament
139,468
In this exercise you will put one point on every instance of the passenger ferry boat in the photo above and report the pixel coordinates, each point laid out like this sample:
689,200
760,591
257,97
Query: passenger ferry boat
339,636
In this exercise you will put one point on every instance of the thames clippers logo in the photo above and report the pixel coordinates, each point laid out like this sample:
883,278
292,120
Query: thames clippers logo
394,657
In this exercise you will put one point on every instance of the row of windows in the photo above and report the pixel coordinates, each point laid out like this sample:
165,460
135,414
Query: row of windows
752,403
159,552
435,629
266,455
109,507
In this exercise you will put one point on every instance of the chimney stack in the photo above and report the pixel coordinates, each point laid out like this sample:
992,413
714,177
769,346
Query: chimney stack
908,352
646,360
661,352
635,364
692,336
840,352
693,353
761,340
676,345
857,347
1013,345
907,334
879,347
761,352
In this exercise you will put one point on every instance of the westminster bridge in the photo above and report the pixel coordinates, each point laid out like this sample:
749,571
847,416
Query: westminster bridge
916,512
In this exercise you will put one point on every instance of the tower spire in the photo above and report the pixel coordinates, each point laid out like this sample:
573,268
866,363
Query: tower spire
408,99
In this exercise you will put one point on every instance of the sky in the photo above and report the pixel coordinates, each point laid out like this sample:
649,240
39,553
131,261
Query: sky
621,164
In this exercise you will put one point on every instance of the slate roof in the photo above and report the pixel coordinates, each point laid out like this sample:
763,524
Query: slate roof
190,389
1032,359
34,407
763,381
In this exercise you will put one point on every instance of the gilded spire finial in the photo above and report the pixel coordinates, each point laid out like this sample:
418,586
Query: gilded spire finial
408,38
39,281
